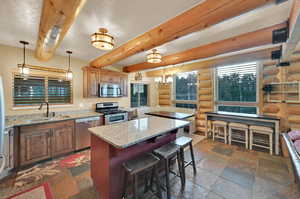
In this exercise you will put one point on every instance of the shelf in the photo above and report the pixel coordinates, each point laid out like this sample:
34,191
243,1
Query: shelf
289,92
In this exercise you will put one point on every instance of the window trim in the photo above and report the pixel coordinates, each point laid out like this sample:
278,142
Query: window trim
236,103
174,101
46,77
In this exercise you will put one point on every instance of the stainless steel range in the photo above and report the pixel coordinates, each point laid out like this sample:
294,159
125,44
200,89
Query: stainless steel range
112,113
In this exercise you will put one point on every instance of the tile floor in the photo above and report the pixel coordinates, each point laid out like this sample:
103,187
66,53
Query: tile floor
223,172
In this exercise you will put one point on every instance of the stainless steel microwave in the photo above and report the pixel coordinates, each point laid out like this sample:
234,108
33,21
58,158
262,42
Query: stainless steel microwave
110,90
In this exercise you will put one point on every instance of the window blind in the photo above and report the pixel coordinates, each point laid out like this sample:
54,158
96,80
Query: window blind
59,91
30,91
240,69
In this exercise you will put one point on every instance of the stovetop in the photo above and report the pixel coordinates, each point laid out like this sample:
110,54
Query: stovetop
109,112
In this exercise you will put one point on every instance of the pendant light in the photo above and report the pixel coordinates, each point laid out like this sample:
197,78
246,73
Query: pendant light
154,57
102,40
69,74
24,71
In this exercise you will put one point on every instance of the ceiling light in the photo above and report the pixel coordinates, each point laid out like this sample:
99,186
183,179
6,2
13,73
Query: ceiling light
102,40
24,71
69,74
154,57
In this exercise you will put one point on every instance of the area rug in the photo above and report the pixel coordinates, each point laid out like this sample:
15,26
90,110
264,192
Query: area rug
42,191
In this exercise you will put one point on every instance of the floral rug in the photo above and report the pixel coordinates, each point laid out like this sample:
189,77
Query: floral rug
42,191
39,173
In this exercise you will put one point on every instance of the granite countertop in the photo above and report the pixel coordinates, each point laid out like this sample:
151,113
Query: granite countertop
25,120
125,134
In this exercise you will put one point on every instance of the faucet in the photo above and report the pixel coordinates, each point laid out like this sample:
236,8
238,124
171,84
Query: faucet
41,106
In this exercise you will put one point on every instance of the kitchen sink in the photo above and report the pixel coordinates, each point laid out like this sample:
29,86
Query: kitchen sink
41,119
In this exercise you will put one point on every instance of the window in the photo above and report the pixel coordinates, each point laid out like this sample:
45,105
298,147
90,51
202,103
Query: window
236,88
139,95
185,89
59,91
35,90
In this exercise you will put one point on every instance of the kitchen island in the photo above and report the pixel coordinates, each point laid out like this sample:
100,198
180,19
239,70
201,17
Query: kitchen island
114,144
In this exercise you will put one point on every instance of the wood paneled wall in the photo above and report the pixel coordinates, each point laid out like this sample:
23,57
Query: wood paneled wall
164,94
205,96
289,113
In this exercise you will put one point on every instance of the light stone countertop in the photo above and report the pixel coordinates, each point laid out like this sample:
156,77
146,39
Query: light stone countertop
25,120
125,134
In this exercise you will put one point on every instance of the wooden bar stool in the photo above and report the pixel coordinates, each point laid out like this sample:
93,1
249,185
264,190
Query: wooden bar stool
220,130
260,142
138,165
238,133
184,142
166,153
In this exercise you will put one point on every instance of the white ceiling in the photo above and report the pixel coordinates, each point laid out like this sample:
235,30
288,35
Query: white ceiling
19,20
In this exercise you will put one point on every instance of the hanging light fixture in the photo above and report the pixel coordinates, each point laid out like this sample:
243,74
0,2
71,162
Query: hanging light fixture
69,74
154,57
102,40
138,76
24,71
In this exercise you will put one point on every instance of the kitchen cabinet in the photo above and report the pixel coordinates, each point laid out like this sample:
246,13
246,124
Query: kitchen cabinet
43,141
63,138
92,77
35,144
91,80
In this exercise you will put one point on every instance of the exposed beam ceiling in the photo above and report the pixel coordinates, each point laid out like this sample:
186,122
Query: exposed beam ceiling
290,47
248,40
255,55
56,19
198,18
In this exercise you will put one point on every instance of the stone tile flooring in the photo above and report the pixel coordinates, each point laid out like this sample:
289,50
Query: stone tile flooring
223,172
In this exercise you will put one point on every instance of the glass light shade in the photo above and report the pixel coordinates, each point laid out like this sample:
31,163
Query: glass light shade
158,79
24,71
169,79
69,75
154,57
102,40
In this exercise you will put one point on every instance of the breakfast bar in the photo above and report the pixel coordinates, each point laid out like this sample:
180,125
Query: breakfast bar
114,144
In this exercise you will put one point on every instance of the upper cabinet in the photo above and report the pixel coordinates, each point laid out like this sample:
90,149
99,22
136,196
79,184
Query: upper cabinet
92,77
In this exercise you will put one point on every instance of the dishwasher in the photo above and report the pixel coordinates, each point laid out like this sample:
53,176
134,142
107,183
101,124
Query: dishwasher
82,134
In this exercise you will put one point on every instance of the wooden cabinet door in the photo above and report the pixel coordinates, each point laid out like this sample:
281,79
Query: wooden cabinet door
63,138
93,83
124,86
91,80
34,144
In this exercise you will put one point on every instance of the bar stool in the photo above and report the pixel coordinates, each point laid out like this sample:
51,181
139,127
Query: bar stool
184,142
138,165
167,153
260,142
241,135
217,130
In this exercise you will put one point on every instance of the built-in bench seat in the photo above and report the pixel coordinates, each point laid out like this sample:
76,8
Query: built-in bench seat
294,156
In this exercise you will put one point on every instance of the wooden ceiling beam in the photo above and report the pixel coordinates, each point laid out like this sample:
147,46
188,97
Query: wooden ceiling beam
294,38
202,16
56,19
248,40
264,54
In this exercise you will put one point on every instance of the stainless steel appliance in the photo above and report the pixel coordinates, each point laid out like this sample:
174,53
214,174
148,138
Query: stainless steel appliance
112,113
6,139
110,90
82,134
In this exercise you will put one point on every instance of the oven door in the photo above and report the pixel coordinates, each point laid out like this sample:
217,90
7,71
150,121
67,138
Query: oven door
115,118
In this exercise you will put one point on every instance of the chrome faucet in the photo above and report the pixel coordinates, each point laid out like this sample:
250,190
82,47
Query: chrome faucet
41,106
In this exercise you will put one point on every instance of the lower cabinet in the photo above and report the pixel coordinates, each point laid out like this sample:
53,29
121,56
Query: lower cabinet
39,142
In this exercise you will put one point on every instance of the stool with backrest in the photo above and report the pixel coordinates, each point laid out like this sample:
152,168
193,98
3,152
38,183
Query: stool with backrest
238,133
166,153
256,139
139,165
184,142
220,130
